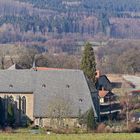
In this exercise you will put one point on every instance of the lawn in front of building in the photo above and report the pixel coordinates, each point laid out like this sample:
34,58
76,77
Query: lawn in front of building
108,136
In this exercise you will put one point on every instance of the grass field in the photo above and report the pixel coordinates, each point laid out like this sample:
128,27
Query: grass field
121,136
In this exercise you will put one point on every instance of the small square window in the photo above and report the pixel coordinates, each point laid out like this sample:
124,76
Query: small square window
43,85
10,85
68,86
80,100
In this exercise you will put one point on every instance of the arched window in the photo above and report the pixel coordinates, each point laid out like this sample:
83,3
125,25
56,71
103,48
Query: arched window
24,104
11,99
5,103
19,100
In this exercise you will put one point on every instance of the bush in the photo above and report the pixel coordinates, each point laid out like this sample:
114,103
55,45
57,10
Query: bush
35,127
70,130
8,129
133,127
11,118
91,124
101,128
108,129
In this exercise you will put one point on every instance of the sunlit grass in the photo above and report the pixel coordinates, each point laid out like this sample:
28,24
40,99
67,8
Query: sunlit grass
121,136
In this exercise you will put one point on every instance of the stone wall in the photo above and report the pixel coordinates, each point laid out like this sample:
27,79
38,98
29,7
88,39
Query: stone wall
55,123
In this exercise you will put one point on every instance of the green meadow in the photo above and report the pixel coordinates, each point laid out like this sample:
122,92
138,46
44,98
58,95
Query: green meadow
109,136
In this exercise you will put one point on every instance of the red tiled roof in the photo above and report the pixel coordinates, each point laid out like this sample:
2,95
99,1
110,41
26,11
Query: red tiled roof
135,91
102,93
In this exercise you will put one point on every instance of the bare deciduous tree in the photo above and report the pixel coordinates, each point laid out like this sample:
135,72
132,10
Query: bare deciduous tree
59,108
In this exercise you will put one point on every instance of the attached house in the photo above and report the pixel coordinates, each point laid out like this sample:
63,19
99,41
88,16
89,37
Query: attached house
109,104
134,82
43,96
134,95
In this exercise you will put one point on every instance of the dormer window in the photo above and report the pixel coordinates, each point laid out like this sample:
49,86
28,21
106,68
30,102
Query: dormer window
43,85
10,85
68,86
80,100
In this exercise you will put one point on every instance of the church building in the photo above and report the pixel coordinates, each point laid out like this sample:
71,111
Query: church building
42,95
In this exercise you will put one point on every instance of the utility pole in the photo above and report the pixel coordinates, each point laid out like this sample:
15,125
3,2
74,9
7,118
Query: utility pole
127,112
110,109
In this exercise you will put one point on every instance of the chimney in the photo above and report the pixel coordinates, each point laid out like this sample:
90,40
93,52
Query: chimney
103,89
97,74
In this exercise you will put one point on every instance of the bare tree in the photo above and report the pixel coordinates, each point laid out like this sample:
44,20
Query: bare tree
26,57
2,58
59,108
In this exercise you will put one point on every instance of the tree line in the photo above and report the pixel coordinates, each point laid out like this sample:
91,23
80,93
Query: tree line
90,17
119,57
88,5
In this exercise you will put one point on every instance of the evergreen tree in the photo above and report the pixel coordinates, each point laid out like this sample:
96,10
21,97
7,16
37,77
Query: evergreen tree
1,112
91,123
11,118
88,64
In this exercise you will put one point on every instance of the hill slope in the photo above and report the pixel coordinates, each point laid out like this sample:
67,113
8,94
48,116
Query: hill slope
113,18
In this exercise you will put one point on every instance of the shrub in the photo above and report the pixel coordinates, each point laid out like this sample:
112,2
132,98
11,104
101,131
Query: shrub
108,129
11,119
101,128
133,127
91,124
8,129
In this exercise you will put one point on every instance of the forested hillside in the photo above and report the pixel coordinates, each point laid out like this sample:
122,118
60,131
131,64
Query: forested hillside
108,6
57,30
75,16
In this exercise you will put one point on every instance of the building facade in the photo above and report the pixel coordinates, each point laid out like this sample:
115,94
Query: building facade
44,97
109,105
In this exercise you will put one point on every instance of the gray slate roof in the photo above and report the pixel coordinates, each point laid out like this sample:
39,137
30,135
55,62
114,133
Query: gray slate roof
20,80
14,67
52,89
